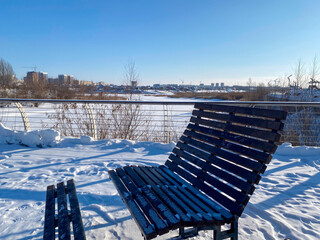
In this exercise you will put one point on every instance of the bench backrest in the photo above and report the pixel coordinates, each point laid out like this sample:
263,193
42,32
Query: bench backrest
225,149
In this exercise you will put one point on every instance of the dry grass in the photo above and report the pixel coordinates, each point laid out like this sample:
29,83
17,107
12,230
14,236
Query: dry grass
258,94
212,95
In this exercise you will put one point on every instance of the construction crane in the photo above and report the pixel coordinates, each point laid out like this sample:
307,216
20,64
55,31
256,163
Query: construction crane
34,68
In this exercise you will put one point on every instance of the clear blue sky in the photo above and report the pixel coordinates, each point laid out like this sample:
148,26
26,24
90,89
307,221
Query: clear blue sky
170,40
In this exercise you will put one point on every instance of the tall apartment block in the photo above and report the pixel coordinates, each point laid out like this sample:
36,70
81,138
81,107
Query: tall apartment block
65,79
36,77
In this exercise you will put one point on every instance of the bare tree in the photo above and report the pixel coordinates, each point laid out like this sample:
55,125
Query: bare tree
315,69
6,73
131,76
299,75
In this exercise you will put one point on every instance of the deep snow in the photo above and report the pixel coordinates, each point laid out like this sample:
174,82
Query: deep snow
286,203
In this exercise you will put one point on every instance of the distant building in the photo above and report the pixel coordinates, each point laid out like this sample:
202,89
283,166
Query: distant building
87,83
134,84
76,82
63,78
53,80
70,79
32,77
222,85
217,85
66,79
43,77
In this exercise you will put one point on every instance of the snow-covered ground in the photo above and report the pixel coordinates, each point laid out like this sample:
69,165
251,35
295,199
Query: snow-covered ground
286,203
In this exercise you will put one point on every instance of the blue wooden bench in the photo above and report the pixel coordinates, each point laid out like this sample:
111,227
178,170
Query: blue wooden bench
61,217
208,178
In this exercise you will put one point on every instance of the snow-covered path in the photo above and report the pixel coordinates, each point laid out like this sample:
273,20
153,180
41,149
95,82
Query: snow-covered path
286,203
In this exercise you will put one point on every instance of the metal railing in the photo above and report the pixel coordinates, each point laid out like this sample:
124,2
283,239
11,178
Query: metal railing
161,121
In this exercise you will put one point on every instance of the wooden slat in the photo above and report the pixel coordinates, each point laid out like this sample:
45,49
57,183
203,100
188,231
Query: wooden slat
145,227
192,196
157,204
63,218
252,132
195,218
228,190
147,176
167,173
250,176
261,123
223,200
191,204
241,150
160,226
235,181
276,114
236,138
245,162
78,230
49,226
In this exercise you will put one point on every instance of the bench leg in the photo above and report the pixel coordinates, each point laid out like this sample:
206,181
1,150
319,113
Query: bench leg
234,229
186,233
217,233
232,233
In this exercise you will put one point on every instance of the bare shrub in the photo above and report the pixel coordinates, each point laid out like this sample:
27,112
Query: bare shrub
70,119
302,127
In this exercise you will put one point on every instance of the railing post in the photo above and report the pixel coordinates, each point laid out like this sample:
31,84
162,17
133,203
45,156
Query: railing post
23,116
92,120
166,126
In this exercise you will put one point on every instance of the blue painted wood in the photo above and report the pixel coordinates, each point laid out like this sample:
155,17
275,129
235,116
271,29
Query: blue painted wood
78,230
49,223
63,218
160,226
144,225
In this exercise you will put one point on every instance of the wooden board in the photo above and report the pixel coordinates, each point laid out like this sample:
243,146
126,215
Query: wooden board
245,121
49,224
63,218
267,113
144,225
241,130
78,230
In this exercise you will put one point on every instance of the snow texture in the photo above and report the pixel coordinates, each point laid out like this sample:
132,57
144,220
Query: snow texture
285,204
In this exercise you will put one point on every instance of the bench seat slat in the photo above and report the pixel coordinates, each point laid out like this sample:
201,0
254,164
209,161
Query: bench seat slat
223,200
145,227
78,230
190,204
63,218
235,181
245,162
250,176
181,204
163,170
251,132
220,186
185,220
194,216
256,122
192,197
268,113
157,204
49,223
160,226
